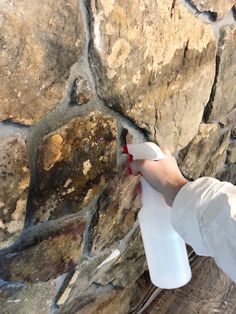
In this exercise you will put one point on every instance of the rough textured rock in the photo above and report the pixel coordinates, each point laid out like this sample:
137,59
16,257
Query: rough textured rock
30,299
206,154
14,181
217,160
228,174
199,152
218,7
39,42
222,100
152,65
234,11
231,153
117,210
75,163
108,281
50,257
117,300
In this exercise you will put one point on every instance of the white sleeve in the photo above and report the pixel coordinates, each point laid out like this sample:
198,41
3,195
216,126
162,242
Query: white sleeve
204,214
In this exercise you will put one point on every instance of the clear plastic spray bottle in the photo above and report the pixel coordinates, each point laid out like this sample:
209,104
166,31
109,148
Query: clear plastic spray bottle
165,250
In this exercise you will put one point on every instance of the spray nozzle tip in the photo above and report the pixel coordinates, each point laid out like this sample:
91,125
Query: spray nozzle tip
125,149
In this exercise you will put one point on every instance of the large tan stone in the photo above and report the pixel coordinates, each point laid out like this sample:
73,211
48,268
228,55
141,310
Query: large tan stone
39,42
14,181
220,7
150,64
224,98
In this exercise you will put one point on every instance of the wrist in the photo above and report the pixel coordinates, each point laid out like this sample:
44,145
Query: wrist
173,189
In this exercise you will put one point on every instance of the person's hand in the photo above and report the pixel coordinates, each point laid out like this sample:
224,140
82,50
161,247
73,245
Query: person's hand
163,175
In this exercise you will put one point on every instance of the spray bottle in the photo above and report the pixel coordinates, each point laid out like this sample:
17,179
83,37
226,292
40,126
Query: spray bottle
165,250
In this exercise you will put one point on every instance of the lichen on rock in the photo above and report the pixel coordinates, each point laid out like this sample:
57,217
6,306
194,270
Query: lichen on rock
14,182
76,153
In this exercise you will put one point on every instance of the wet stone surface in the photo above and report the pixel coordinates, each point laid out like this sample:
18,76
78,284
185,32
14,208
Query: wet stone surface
75,163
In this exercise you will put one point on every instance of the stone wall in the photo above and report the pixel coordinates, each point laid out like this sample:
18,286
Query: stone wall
79,79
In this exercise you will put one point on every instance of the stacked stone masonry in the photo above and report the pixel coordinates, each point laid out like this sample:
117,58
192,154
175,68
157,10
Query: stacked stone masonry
79,79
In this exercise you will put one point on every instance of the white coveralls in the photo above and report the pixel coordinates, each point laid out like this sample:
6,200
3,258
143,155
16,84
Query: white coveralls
204,214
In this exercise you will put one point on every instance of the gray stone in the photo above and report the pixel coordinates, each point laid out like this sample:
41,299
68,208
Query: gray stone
117,211
30,299
198,153
228,174
106,283
217,160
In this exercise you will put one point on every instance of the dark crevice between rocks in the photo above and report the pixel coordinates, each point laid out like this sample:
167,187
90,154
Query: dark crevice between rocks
212,16
172,8
92,220
61,289
209,107
127,123
185,52
234,11
9,127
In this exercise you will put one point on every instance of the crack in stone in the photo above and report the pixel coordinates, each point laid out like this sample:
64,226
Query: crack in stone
206,16
172,8
10,128
185,52
209,105
234,11
92,219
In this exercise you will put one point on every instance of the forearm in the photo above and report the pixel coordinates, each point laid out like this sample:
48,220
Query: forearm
204,214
